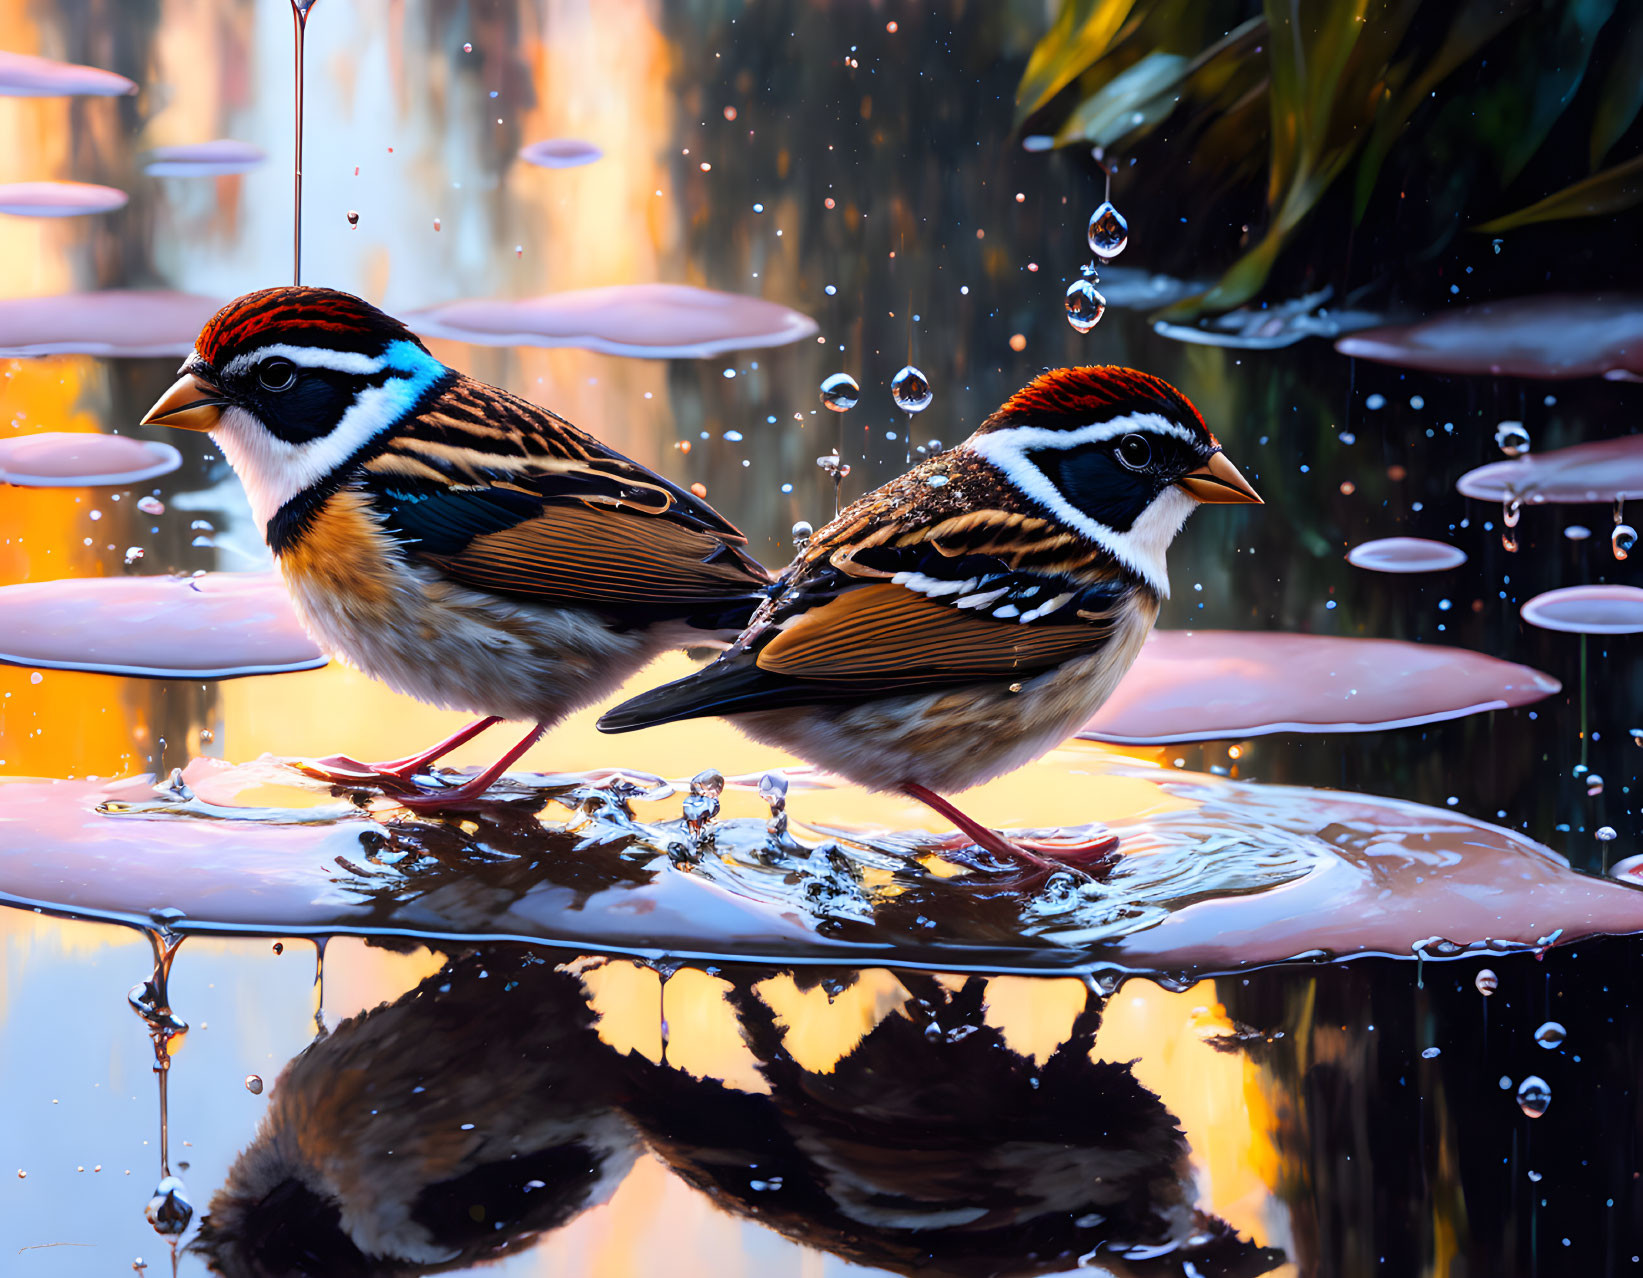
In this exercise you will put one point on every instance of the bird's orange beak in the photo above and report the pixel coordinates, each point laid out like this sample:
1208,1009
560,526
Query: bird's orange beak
190,404
1218,480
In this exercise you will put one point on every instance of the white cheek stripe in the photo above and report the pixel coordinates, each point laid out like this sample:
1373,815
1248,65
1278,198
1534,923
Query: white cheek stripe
1141,549
274,471
310,357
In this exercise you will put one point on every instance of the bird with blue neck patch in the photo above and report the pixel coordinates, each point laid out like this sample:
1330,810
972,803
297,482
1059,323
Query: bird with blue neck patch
463,545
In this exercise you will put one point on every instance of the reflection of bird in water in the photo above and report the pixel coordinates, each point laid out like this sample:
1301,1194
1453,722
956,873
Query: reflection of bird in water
931,1147
967,617
451,1127
457,542
482,1109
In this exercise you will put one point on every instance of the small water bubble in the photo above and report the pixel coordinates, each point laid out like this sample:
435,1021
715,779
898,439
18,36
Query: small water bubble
1512,439
253,1084
1594,785
467,48
911,390
1534,1097
1607,834
1431,1053
1085,306
1551,1035
1623,539
802,532
840,392
151,505
353,218
1375,401
169,1210
1486,981
1108,231
1577,532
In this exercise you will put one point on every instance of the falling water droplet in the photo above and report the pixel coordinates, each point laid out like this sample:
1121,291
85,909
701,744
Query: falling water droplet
1108,232
1085,306
1623,539
1486,981
1594,785
1512,439
840,392
169,1210
467,48
436,224
1511,511
353,218
1551,1036
1431,1053
151,505
253,1084
773,790
1534,1097
279,947
802,532
911,390
1607,834
133,554
833,466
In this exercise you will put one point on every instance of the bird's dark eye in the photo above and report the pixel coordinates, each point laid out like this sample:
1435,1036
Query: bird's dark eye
1134,451
277,374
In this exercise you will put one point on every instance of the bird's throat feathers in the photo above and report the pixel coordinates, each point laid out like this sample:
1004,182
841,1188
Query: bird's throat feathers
287,481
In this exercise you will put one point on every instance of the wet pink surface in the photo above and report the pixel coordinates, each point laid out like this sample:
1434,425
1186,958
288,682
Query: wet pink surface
217,626
1209,685
23,75
658,321
59,199
560,153
204,159
1405,554
1588,610
1559,335
55,459
134,323
1235,876
1598,471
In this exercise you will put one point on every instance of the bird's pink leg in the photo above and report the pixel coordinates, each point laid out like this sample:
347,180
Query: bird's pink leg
342,770
434,800
1042,855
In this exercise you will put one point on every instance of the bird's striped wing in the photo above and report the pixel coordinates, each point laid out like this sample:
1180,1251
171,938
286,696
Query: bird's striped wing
883,620
497,492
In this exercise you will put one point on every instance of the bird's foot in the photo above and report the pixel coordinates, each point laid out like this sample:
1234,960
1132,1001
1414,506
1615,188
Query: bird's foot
1033,862
341,769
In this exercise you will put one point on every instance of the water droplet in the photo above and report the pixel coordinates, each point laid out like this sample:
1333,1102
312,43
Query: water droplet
253,1084
936,481
1511,511
133,554
1431,1053
833,466
1551,1036
1594,786
1534,1096
1512,439
353,218
1109,232
911,390
1623,539
169,1210
840,392
702,803
467,48
1085,306
1486,981
151,505
279,947
1607,834
802,532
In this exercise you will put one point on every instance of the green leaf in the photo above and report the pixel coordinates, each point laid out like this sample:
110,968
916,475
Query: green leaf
1563,60
1082,32
1140,95
1622,94
1611,191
